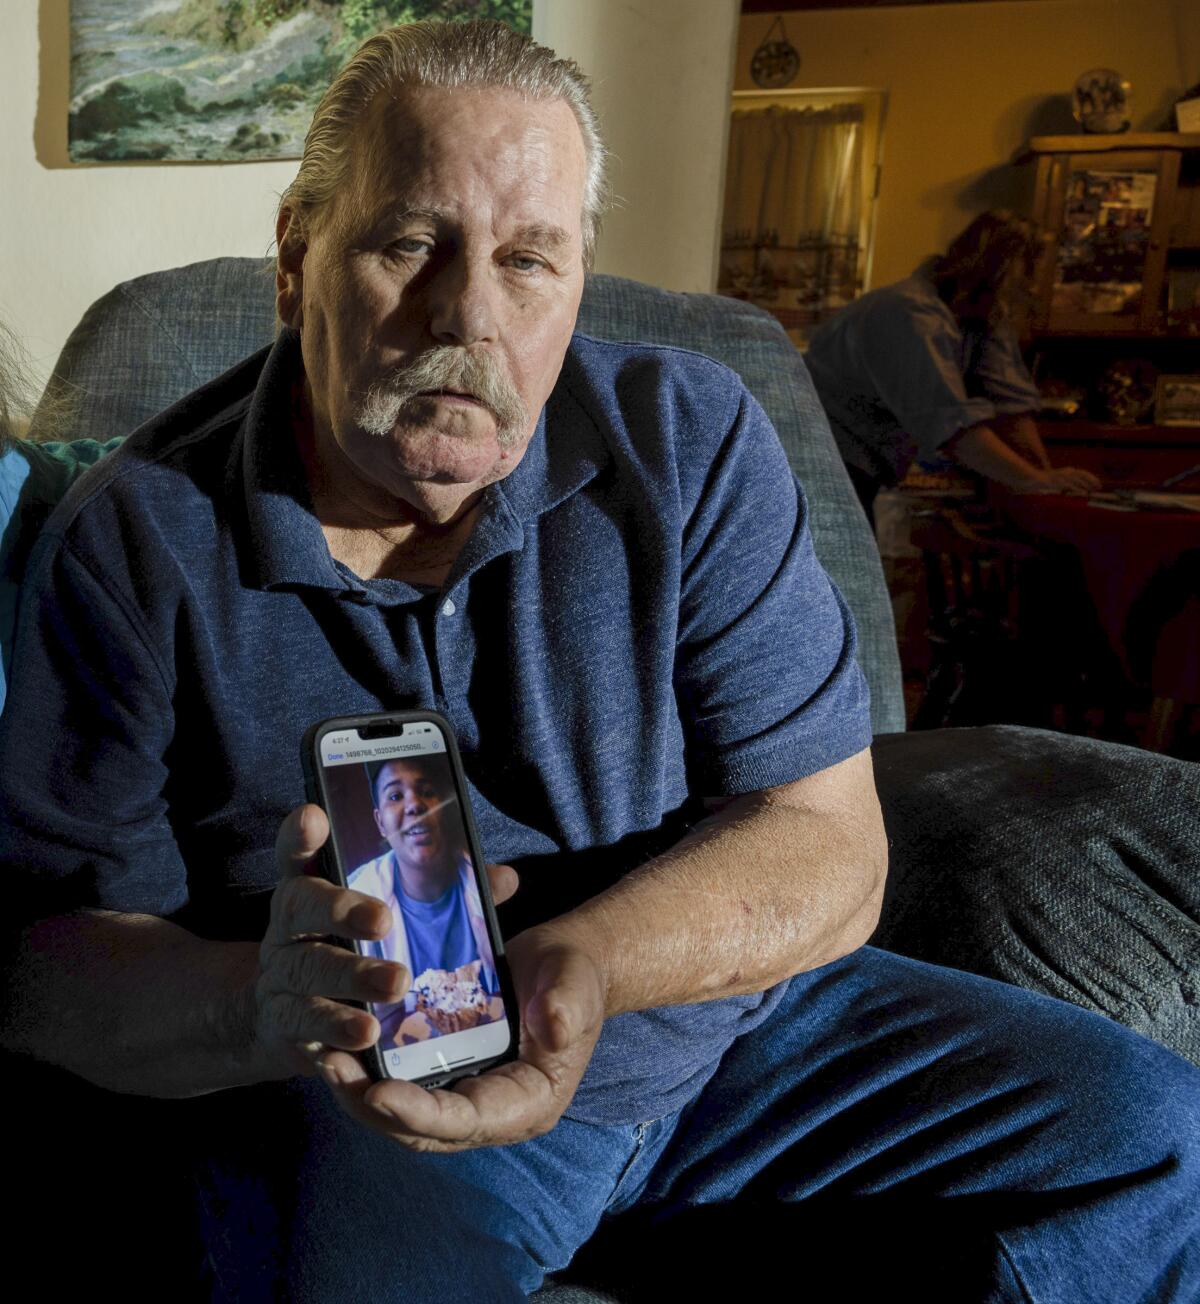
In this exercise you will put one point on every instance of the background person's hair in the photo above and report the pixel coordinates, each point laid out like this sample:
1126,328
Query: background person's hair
19,398
14,386
984,262
481,53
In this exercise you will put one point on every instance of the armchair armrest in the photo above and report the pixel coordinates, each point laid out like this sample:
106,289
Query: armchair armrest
1062,864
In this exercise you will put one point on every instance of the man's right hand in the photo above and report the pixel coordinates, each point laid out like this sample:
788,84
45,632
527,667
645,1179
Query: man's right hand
304,977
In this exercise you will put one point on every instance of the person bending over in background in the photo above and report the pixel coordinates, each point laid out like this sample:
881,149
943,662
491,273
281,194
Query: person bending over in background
929,369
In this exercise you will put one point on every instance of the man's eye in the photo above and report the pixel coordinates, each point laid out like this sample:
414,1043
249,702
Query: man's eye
524,262
410,244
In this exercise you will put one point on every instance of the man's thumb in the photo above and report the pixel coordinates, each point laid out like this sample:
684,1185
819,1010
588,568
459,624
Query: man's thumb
301,835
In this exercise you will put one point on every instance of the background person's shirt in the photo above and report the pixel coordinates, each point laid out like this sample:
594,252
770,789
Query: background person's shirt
898,377
637,621
33,480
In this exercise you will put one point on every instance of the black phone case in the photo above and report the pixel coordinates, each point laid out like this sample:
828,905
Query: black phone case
311,765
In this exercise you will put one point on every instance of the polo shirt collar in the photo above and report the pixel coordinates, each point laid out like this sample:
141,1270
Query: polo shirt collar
288,545
288,548
567,450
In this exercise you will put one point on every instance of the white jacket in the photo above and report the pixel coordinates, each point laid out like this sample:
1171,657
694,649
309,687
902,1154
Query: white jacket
378,878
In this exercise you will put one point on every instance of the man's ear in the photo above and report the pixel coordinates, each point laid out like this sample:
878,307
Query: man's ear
289,269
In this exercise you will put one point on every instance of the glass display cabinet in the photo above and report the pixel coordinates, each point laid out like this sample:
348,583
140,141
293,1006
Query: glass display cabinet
1123,212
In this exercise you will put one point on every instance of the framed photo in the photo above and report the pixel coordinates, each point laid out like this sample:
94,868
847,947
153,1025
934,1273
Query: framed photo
1183,294
1187,115
1177,401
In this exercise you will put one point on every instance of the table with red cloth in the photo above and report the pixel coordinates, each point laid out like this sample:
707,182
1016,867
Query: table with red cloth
1141,569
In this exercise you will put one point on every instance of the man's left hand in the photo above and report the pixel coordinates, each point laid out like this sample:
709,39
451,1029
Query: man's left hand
560,993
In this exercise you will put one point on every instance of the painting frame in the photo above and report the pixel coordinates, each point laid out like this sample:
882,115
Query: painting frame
1183,295
1177,400
223,81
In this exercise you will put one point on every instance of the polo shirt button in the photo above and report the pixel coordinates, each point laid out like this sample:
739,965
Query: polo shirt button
448,608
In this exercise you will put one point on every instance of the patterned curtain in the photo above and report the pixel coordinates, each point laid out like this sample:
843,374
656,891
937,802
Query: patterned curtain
793,206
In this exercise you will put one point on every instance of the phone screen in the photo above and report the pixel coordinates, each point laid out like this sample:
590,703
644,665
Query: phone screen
395,809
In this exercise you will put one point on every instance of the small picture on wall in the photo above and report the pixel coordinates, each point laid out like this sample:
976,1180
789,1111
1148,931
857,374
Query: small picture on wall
1177,401
223,79
1183,294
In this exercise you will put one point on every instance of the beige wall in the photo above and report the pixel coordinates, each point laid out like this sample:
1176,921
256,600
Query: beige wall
68,233
968,84
663,70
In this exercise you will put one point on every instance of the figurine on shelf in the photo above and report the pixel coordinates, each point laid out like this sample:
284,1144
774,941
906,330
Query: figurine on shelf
1126,391
1100,100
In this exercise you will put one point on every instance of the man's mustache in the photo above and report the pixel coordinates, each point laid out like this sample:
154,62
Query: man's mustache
445,368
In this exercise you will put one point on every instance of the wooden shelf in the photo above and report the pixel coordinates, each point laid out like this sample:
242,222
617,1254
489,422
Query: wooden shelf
1082,431
1176,331
1095,142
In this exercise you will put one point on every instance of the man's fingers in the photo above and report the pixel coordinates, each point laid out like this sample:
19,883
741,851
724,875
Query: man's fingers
313,907
508,1105
301,835
302,1020
322,969
504,882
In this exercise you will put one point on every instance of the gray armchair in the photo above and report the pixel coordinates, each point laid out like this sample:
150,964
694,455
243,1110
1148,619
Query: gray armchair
1061,864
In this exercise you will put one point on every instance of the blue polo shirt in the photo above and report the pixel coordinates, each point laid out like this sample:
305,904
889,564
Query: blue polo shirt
637,621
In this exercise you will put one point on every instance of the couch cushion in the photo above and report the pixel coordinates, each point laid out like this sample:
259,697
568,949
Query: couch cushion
152,340
1062,864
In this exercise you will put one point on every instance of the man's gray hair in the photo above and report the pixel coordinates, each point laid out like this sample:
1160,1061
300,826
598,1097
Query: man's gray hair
477,54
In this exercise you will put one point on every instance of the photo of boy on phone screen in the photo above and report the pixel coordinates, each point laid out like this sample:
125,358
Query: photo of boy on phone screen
424,875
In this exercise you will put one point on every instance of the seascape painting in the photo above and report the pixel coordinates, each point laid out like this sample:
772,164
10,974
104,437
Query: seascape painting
222,79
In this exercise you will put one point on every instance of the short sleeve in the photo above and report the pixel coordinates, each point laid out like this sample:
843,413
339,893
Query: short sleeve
33,477
1001,376
913,354
765,673
83,742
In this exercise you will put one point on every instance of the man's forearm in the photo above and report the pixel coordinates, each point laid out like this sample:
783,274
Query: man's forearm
769,887
134,1003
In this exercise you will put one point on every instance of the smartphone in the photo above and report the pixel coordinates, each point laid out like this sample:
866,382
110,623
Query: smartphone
401,830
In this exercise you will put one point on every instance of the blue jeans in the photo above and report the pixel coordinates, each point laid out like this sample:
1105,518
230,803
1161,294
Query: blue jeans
892,1125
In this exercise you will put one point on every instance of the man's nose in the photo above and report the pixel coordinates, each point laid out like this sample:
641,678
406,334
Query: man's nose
461,303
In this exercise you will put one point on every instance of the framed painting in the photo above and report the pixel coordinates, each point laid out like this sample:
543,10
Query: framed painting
222,80
1177,401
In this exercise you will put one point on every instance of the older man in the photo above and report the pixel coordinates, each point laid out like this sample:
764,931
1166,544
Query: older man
593,559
